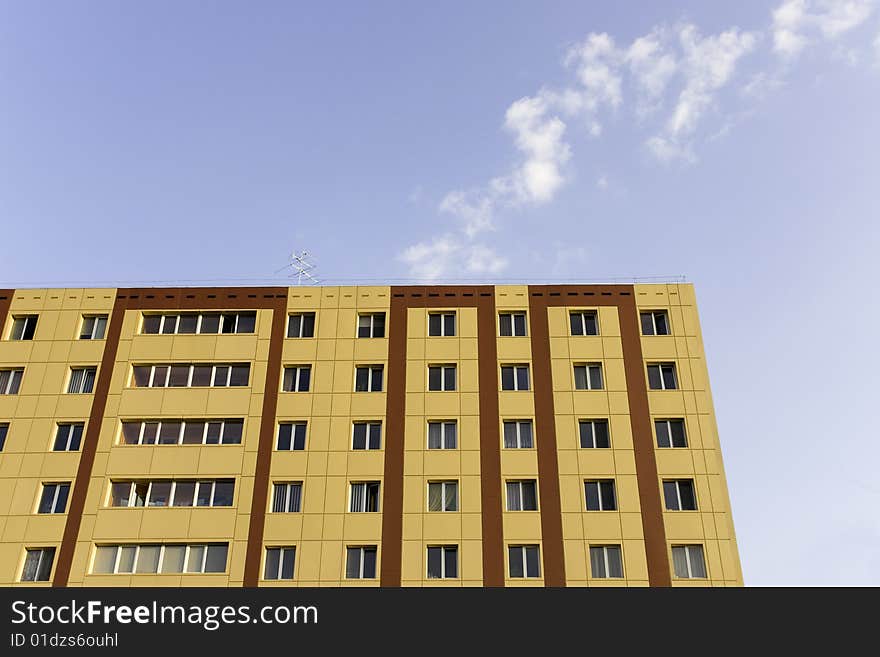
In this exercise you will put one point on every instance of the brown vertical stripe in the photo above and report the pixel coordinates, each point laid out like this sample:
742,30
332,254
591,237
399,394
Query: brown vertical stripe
541,297
545,431
264,449
231,299
403,298
643,443
89,447
490,446
5,302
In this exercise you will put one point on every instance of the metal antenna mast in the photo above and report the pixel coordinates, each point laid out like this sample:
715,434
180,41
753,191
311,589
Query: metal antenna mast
301,267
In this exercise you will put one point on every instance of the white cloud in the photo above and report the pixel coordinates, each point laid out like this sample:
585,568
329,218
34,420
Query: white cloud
447,257
483,260
602,182
796,23
474,208
652,68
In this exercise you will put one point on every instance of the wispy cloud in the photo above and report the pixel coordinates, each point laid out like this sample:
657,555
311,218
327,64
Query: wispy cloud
674,79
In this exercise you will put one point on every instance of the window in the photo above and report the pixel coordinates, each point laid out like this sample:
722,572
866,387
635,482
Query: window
364,497
661,376
443,496
524,561
670,433
279,562
600,495
368,378
441,378
205,323
54,498
23,327
93,327
291,436
512,324
159,558
605,561
82,380
366,435
588,376
68,437
443,562
584,322
10,381
287,497
301,325
680,495
655,322
297,378
182,493
191,376
441,324
594,433
4,429
688,561
518,434
514,377
360,562
38,564
442,434
371,325
182,432
522,495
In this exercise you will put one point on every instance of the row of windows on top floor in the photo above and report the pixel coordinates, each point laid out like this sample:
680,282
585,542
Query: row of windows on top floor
302,325
441,434
361,561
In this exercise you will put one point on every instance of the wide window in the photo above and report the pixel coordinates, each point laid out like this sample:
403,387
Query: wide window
518,434
441,324
522,495
515,377
4,429
204,323
371,325
364,497
661,376
443,562
368,378
524,561
442,434
160,558
441,378
297,378
179,493
588,376
584,322
594,434
279,562
512,324
600,495
301,325
443,496
182,432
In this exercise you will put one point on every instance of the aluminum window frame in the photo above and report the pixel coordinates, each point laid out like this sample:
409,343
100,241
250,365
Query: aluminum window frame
371,375
97,321
582,316
513,314
443,367
188,547
599,490
199,315
445,485
593,422
519,433
301,316
443,315
132,483
654,314
444,434
28,321
15,376
183,422
443,551
517,367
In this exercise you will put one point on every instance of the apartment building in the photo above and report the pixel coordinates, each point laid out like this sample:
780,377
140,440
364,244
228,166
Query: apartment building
547,435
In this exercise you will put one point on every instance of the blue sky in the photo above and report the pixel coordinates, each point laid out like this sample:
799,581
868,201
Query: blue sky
733,143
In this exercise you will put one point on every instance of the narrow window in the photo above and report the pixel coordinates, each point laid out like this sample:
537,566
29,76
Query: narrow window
4,429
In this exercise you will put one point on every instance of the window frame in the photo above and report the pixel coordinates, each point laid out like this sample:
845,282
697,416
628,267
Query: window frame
172,493
677,483
443,367
687,547
96,322
294,425
445,485
57,487
365,497
583,314
444,549
443,424
516,367
189,377
362,550
4,433
302,325
443,315
13,380
43,550
199,315
297,379
520,483
85,369
593,422
371,371
600,495
519,422
668,422
28,327
513,314
282,552
372,327
653,314
188,548
605,548
676,384
589,367
523,553
368,435
288,498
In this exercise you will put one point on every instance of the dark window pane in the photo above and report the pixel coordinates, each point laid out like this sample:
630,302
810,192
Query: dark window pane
529,496
451,558
510,435
597,562
507,378
670,494
686,492
662,429
698,564
46,499
364,326
448,324
285,432
592,324
369,563
577,324
193,432
221,375
434,326
359,440
213,435
434,378
678,437
61,435
519,325
45,566
669,377
169,433
654,382
170,324
151,431
215,561
201,376
305,378
515,557
287,563
179,376
376,380
210,323
299,436
353,563
525,434
435,430
184,493
506,325
247,323
375,436
308,328
586,433
141,376
522,378
232,431
203,493
160,493
151,323
361,379
227,324
609,503
239,376
273,559
595,377
615,563
601,429
449,378
119,493
580,377
294,326
533,567
88,381
435,562
660,321
592,492
187,323
647,324
379,325
223,491
451,435
160,376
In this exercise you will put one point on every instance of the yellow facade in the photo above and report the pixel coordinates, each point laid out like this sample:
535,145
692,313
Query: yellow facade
324,526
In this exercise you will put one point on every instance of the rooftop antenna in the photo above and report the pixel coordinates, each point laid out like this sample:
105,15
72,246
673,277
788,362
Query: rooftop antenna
300,267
